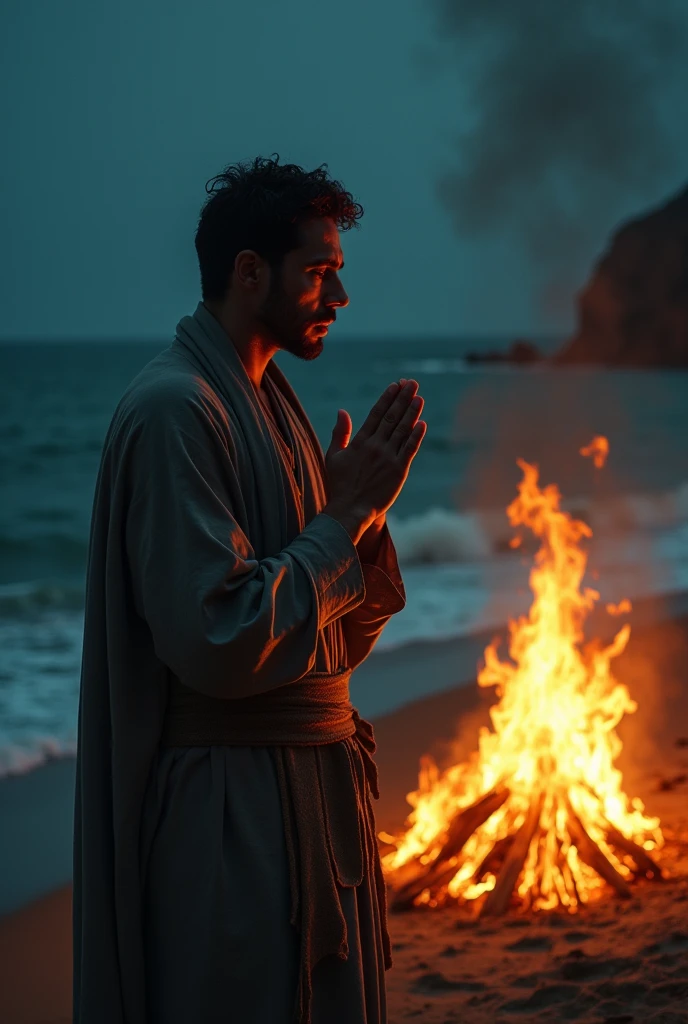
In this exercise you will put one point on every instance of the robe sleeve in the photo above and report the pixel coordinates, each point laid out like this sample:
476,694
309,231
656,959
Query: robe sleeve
226,623
384,595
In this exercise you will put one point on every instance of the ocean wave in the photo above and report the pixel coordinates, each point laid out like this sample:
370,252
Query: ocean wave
19,759
435,366
441,535
641,511
37,596
63,547
35,554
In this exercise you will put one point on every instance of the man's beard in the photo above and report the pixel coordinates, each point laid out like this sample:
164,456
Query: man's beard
281,318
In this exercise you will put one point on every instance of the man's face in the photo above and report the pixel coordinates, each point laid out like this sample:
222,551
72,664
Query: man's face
305,291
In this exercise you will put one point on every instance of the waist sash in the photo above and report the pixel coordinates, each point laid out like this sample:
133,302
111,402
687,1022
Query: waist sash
312,711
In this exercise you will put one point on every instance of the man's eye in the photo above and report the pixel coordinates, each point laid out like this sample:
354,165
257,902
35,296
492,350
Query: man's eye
319,273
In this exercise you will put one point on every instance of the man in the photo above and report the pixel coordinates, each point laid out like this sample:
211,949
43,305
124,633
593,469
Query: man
225,862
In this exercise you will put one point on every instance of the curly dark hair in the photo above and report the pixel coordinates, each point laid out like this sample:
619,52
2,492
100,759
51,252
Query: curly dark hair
260,205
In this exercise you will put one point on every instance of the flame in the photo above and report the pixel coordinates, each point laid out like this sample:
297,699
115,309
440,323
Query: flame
553,743
598,449
622,608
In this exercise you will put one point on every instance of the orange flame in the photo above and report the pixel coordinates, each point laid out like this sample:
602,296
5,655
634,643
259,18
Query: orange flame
553,738
598,449
622,608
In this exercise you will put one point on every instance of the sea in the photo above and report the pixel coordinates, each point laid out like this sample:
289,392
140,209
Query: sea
449,523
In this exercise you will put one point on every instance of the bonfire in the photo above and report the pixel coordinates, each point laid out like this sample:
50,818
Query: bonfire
538,816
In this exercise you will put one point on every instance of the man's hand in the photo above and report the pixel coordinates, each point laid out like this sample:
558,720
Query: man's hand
366,474
369,543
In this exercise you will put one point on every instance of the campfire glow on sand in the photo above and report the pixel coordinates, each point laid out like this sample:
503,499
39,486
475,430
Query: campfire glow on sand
537,816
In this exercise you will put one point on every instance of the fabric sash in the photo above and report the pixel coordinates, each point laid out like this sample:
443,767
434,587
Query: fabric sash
310,711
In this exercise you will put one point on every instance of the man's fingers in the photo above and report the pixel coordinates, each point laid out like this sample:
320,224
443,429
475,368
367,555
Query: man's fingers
407,422
372,420
397,410
411,446
388,409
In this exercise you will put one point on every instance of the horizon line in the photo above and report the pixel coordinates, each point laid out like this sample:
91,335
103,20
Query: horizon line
474,337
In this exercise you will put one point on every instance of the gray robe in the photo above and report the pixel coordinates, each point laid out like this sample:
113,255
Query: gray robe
209,558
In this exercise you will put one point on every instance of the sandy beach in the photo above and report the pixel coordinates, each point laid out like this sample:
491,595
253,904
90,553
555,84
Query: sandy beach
615,962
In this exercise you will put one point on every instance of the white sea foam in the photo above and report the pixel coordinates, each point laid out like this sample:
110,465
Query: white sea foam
445,601
18,760
440,535
641,511
435,366
36,595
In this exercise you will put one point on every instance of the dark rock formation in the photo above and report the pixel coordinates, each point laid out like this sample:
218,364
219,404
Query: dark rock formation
520,352
634,310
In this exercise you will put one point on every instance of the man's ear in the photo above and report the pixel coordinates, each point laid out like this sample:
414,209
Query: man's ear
250,269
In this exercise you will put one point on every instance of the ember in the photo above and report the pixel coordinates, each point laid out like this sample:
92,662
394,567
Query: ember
598,450
538,815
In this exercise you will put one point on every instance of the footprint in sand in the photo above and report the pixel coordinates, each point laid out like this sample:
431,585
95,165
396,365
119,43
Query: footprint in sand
531,943
435,983
542,998
578,966
624,992
667,1017
677,941
675,992
526,980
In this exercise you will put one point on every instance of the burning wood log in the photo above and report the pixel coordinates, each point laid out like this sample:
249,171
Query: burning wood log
493,859
498,899
461,828
572,893
644,863
590,853
465,823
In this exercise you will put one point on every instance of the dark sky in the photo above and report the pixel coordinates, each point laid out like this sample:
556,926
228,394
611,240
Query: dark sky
114,115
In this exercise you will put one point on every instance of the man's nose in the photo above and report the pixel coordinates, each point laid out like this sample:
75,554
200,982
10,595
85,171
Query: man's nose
338,296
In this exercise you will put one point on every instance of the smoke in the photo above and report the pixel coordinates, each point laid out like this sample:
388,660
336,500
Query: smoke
571,124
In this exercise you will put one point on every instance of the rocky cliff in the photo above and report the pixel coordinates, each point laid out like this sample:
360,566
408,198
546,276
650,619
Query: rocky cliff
634,310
